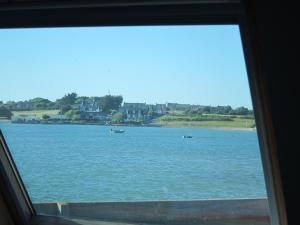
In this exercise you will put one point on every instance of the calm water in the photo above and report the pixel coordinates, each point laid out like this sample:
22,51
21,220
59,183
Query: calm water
87,163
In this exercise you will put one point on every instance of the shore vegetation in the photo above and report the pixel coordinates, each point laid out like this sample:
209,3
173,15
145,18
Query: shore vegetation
108,110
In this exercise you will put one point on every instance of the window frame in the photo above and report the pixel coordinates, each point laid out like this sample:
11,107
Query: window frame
12,187
136,13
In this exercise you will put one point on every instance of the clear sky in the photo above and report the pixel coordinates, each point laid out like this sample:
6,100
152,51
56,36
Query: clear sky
156,64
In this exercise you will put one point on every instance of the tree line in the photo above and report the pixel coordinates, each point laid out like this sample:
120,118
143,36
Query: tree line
66,103
224,110
71,102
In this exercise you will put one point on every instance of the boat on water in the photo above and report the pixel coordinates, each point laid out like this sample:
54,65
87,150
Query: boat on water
187,136
117,131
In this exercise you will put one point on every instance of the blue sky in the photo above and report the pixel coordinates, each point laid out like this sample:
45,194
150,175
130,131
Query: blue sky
156,64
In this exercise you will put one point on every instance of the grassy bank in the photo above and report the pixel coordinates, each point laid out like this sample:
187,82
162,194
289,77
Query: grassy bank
173,120
219,121
38,113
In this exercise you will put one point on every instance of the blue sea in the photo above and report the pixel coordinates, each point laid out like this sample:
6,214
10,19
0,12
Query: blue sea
73,163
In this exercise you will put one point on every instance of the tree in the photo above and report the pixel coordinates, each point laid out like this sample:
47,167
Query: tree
10,105
241,111
4,112
193,111
117,117
68,99
81,99
206,109
40,103
110,102
227,109
65,108
73,114
45,117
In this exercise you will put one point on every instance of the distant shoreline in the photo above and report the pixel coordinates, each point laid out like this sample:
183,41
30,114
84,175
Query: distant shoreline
215,128
242,125
143,125
233,128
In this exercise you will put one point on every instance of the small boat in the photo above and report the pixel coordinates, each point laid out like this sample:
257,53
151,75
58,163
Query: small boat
117,131
187,136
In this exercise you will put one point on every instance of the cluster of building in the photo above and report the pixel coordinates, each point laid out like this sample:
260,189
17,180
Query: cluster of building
90,109
142,111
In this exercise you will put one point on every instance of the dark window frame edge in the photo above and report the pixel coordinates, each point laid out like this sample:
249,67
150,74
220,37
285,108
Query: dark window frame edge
209,14
14,192
264,124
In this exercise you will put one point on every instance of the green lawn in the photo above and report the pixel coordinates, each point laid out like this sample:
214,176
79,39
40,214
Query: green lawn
38,113
216,121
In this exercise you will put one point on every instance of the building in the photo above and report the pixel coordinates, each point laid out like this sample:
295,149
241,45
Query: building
177,106
135,111
142,111
91,110
158,109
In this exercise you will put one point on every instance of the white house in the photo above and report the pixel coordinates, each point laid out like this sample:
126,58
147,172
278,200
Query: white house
91,110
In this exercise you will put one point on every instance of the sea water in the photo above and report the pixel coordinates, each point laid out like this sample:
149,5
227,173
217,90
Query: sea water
74,163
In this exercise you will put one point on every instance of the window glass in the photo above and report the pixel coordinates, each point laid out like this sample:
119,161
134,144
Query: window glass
107,117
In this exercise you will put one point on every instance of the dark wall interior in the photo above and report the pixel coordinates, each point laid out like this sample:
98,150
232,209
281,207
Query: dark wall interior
273,28
5,218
